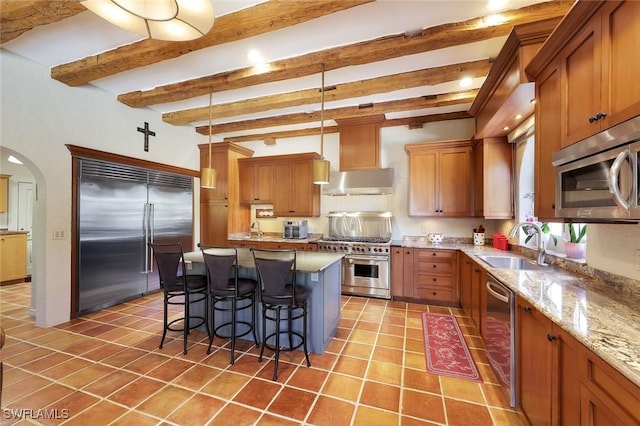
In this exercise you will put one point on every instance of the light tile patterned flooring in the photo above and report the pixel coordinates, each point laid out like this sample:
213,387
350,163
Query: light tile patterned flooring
106,368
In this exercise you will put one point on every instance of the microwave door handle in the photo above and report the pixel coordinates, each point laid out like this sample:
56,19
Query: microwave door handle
614,174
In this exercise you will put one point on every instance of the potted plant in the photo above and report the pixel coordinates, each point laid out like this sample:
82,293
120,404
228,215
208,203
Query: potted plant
574,247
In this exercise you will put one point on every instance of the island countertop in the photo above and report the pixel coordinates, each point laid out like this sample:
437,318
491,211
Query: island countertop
305,261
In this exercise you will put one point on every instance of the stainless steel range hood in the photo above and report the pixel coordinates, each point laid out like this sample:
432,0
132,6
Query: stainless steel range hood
361,182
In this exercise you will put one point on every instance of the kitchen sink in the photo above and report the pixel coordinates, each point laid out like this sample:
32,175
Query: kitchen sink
511,262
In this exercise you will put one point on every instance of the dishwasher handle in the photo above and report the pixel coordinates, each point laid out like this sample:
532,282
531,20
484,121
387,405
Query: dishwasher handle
496,291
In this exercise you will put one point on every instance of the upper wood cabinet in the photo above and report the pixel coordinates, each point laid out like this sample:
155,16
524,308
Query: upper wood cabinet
507,92
256,180
295,194
360,143
547,141
220,209
493,178
4,193
440,179
598,52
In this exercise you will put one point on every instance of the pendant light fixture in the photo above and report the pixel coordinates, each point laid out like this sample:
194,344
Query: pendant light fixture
209,176
170,20
321,167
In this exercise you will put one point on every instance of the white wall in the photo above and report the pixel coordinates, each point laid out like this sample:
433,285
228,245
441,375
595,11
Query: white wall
38,117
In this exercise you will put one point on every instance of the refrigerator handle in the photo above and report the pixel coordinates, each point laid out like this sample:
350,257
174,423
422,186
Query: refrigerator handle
145,237
151,232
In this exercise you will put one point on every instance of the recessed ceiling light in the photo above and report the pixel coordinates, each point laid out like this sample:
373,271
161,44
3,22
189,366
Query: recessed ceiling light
13,160
254,56
466,82
495,5
518,116
505,128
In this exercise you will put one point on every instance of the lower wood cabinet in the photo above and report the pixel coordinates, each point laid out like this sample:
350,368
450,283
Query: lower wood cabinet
606,397
13,257
464,273
273,245
548,375
428,275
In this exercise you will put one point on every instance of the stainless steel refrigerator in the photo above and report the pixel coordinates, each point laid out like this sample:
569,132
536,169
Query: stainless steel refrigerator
121,210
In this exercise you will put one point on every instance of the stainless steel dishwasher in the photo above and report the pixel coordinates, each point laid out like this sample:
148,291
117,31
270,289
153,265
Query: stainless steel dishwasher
500,334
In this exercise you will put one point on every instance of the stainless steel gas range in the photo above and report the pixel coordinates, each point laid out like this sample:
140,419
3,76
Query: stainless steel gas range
365,240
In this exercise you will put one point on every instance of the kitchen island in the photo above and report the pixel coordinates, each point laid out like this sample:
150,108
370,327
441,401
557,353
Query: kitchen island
321,273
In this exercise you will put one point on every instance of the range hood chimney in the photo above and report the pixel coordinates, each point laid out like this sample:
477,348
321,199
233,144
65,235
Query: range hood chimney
360,182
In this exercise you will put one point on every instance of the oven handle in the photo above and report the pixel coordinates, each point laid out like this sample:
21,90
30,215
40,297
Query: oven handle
493,289
351,258
614,173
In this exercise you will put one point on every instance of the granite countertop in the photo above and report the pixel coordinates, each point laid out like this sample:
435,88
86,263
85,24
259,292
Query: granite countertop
596,313
272,237
305,261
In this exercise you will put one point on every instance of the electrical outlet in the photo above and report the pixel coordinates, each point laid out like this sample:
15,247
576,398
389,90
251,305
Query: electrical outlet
59,234
314,276
637,260
423,228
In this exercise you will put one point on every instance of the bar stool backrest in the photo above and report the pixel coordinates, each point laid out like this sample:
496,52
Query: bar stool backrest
170,261
221,264
276,273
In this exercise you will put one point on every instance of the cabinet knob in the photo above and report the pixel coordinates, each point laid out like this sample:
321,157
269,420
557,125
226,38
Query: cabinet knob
434,279
551,337
553,206
435,266
592,119
601,114
476,270
408,252
434,293
527,308
434,254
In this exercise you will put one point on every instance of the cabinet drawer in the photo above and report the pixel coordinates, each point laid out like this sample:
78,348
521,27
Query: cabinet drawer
434,268
435,293
435,281
423,255
615,390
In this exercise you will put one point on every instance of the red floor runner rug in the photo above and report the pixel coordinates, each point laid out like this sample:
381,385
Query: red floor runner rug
446,351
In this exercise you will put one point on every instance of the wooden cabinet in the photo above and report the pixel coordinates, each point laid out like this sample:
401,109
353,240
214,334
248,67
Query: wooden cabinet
476,282
606,397
493,178
13,257
435,276
397,271
308,247
600,88
256,180
597,48
440,179
547,141
548,380
295,195
4,193
465,268
220,209
360,143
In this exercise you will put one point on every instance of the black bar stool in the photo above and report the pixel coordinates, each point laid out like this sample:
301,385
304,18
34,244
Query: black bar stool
279,294
179,289
225,287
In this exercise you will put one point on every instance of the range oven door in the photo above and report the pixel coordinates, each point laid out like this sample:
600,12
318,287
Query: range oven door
366,276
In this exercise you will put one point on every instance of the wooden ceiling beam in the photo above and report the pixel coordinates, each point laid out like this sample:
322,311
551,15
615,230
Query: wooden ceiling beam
407,121
389,47
249,22
422,102
426,77
18,17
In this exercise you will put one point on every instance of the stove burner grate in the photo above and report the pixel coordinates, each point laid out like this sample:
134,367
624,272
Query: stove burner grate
372,240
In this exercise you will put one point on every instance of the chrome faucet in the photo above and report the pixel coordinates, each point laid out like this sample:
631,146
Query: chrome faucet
538,230
256,225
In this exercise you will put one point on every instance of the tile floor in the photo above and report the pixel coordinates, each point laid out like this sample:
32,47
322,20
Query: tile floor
106,368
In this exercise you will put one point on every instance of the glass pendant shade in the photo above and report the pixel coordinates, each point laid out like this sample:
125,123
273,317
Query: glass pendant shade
321,172
208,178
169,20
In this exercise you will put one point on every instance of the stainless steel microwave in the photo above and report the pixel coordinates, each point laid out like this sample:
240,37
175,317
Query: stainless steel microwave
598,178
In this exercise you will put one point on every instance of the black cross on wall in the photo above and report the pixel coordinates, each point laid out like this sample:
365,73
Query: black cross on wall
147,133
